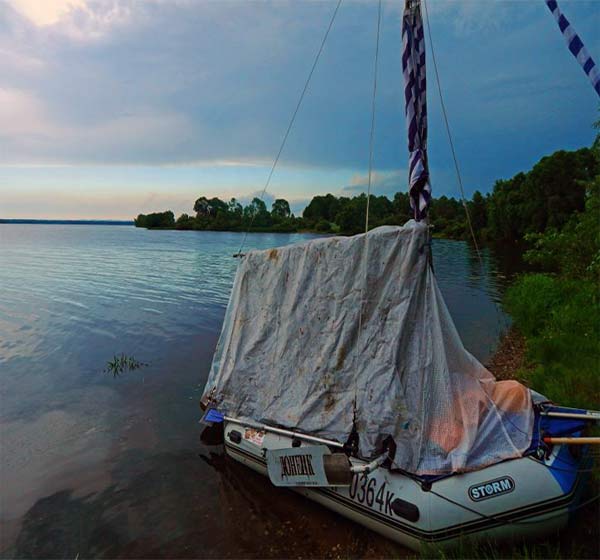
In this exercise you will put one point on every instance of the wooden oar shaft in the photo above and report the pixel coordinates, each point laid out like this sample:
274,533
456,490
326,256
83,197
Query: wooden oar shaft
580,416
573,440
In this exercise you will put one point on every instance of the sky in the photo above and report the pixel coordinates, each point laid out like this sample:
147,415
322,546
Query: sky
115,107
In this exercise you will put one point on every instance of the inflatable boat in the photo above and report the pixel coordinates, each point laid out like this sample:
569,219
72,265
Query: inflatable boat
526,497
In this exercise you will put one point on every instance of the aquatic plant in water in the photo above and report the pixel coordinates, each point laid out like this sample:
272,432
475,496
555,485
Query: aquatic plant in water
122,363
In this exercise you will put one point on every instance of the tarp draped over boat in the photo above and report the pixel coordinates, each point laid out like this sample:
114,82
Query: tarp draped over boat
339,332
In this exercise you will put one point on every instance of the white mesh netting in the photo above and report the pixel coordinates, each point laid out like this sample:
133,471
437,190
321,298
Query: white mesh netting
290,354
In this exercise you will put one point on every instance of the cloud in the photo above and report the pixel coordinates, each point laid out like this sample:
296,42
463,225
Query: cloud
21,113
46,12
33,136
472,17
80,20
382,183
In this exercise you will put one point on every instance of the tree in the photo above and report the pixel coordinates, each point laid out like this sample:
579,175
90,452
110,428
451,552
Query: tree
573,251
256,213
218,205
545,197
351,217
280,209
185,222
323,208
235,208
478,211
401,205
202,207
156,220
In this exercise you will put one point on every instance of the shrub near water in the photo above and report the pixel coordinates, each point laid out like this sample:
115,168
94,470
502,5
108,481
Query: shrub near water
560,320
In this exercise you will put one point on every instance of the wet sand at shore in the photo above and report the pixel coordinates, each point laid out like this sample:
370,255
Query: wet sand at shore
509,357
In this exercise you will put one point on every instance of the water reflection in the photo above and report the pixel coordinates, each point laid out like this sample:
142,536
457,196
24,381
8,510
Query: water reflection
181,505
98,466
472,288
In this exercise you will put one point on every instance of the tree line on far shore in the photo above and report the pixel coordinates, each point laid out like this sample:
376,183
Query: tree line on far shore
531,202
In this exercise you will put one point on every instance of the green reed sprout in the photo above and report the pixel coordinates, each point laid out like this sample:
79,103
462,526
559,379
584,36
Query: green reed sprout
122,363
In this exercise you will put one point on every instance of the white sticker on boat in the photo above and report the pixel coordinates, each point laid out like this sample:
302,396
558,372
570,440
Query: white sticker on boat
491,488
254,436
297,466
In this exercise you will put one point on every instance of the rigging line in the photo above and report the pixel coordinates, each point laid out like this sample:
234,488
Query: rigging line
447,124
371,142
371,138
291,123
499,314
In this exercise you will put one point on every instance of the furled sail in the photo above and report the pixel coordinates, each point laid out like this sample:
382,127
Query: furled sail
290,355
415,89
576,46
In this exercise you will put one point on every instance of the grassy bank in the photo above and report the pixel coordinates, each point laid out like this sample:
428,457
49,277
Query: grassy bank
560,320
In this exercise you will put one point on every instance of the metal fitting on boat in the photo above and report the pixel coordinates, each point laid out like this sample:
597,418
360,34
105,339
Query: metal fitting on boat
369,467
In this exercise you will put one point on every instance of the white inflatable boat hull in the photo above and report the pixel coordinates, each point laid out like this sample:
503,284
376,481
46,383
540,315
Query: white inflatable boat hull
520,498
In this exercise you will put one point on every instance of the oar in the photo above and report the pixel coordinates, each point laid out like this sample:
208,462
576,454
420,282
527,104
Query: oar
590,415
573,440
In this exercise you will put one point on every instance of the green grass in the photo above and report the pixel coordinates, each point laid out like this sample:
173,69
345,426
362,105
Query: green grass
560,319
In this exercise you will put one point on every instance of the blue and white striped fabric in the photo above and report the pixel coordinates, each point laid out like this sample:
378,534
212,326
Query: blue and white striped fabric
413,68
576,45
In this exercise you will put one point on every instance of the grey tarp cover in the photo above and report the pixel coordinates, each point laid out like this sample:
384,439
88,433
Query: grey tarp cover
295,352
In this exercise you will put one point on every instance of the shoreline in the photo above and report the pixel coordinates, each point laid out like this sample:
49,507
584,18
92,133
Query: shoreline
509,356
442,236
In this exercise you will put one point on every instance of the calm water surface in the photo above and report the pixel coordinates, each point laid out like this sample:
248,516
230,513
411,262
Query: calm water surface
93,465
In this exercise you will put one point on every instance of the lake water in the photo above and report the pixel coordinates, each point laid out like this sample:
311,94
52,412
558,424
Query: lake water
96,465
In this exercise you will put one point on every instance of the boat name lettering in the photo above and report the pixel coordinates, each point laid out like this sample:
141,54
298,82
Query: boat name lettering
363,490
296,465
491,488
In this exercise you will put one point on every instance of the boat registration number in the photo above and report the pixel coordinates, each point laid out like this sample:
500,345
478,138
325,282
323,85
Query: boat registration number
366,490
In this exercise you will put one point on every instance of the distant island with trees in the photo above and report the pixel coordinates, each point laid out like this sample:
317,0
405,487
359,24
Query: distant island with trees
531,202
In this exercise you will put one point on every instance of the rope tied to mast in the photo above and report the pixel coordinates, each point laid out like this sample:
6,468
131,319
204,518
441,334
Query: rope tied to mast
373,98
291,123
369,182
449,134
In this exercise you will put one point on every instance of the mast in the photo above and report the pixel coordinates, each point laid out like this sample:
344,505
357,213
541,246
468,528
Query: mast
415,94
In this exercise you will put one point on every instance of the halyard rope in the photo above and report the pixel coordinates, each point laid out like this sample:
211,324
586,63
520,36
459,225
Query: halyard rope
443,106
291,123
371,138
365,253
